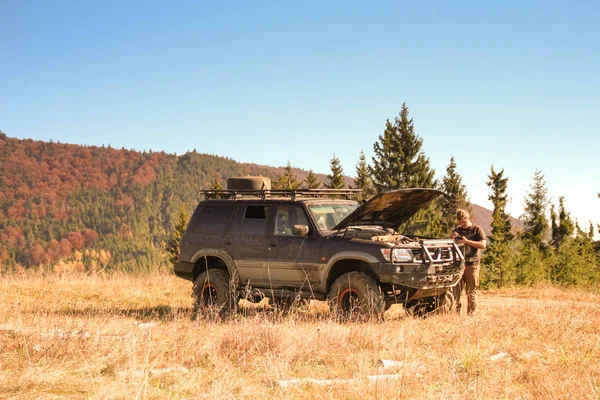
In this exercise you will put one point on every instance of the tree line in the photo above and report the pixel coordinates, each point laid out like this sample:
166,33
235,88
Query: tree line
61,203
551,247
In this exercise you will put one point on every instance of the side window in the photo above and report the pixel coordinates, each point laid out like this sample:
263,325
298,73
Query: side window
255,220
214,218
287,217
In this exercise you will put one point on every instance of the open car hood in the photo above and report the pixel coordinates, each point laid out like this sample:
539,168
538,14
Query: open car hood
390,209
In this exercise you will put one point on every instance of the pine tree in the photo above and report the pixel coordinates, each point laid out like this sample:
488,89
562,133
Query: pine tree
336,179
386,169
182,221
536,222
399,161
363,178
564,226
496,258
216,185
554,227
455,197
287,180
312,180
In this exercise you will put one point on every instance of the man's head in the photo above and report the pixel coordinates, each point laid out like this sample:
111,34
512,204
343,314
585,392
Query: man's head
463,217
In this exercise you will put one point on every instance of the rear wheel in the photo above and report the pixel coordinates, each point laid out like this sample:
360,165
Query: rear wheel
212,295
356,294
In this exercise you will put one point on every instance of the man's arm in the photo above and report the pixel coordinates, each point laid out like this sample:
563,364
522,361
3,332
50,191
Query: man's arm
481,244
478,244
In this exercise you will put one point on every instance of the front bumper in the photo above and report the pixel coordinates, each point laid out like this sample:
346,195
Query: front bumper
421,276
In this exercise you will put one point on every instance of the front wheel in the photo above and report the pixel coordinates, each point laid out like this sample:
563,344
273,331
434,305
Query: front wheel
356,294
211,293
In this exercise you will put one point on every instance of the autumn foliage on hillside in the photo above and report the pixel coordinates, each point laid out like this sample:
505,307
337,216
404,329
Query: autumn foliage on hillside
57,198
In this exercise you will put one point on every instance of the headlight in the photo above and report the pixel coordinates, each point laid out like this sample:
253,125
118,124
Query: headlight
401,255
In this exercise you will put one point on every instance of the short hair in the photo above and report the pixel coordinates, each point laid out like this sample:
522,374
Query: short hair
462,214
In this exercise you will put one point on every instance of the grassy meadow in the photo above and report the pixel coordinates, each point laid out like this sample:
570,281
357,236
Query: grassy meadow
128,337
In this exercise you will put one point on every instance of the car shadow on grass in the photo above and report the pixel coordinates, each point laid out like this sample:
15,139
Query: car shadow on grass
157,313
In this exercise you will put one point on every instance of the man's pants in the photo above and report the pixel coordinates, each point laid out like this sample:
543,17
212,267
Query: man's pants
469,281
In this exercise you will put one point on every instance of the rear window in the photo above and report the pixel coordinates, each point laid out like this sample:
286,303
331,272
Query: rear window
255,220
214,218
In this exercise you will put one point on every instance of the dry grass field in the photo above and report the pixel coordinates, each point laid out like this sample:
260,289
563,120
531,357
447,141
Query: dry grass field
126,337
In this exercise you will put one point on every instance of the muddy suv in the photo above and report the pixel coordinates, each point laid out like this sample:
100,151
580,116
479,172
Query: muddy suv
316,244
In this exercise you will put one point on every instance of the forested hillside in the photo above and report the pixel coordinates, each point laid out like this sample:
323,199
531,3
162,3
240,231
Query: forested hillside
59,200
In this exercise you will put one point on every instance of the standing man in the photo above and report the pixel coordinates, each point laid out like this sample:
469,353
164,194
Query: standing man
474,240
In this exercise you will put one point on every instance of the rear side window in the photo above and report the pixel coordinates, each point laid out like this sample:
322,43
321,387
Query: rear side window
255,220
214,218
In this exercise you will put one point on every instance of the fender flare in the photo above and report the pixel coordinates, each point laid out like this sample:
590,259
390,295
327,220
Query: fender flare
349,255
223,255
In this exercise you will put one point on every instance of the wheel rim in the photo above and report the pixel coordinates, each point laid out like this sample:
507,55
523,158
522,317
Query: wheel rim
208,295
348,300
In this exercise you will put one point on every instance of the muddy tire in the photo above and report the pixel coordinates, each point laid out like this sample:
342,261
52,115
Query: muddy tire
356,295
212,294
418,309
442,304
445,303
249,182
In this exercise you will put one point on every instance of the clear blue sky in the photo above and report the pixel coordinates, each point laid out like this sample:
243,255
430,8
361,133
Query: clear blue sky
513,84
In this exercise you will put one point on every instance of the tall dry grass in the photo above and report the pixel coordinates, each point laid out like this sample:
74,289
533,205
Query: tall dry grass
124,337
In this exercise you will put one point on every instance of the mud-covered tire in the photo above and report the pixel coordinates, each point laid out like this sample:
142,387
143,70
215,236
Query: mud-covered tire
442,304
249,182
445,303
212,294
356,294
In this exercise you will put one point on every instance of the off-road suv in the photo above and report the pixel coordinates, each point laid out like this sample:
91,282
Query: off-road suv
316,244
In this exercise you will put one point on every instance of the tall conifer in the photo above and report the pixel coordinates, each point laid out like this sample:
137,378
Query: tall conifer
455,197
287,180
336,179
399,161
312,180
499,270
363,178
181,224
536,203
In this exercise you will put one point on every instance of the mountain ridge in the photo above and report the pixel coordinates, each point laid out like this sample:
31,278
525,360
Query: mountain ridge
58,199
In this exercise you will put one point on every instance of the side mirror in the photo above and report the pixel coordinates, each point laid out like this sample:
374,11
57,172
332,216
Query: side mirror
300,230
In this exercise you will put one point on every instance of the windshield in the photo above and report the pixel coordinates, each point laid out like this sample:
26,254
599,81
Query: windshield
328,215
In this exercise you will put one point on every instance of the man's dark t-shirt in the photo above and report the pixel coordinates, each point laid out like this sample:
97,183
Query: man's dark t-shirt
475,233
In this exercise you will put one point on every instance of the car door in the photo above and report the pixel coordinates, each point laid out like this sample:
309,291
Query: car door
293,260
247,243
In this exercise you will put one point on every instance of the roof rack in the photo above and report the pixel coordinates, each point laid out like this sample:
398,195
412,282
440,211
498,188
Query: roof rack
234,194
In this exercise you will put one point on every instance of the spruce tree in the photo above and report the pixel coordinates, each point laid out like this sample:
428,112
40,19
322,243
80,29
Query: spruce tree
312,180
565,226
455,197
386,169
182,221
399,161
287,180
496,258
536,203
215,185
363,178
336,179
